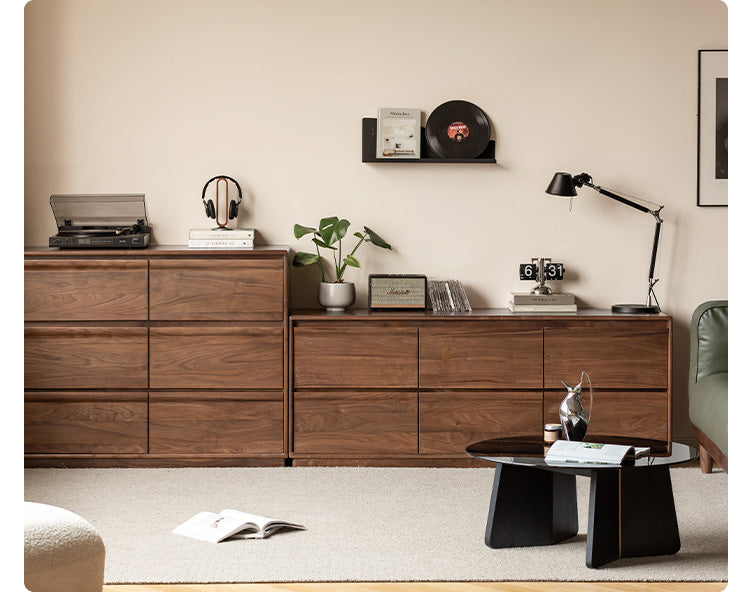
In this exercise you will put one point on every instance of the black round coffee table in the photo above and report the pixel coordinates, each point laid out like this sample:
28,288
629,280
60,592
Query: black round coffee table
631,506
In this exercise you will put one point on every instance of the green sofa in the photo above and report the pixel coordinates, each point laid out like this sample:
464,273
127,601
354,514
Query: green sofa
708,382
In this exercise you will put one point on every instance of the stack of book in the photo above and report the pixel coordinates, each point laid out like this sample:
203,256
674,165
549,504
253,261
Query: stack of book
562,302
448,296
221,238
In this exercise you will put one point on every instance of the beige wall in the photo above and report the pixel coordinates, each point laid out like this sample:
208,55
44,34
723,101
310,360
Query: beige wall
157,96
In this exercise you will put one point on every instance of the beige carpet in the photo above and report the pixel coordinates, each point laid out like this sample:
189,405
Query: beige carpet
363,524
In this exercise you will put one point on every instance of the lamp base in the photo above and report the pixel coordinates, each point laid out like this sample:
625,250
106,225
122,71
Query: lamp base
630,308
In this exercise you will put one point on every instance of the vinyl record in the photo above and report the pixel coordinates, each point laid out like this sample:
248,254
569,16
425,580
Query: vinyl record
457,130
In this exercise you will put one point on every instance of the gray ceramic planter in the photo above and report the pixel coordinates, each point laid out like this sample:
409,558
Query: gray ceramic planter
336,296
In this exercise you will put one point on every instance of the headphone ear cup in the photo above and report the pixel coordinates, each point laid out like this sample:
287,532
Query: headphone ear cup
210,210
233,209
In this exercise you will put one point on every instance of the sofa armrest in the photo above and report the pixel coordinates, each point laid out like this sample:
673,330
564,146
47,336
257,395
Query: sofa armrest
709,331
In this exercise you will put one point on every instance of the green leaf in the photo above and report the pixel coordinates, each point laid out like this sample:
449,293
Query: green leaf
321,244
328,222
376,240
359,235
352,262
300,231
333,230
302,259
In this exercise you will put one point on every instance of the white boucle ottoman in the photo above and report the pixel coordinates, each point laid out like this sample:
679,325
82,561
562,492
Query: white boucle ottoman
62,551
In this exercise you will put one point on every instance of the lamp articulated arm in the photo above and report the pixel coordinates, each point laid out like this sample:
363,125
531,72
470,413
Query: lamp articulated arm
564,184
585,180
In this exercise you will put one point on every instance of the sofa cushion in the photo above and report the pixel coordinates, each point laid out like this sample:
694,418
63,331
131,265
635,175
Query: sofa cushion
709,401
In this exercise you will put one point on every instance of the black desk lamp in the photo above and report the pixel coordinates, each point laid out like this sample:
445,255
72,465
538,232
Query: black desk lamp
565,185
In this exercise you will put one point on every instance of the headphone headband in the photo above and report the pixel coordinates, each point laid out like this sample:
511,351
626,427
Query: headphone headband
239,190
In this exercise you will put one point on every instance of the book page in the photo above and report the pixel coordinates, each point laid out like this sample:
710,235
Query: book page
265,525
210,527
582,452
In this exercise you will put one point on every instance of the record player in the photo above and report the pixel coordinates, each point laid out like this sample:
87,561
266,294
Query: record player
100,221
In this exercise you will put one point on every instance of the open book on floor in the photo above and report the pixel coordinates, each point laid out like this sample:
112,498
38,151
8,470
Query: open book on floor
581,452
230,523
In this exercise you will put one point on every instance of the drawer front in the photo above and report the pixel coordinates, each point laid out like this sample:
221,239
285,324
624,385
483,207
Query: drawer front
355,423
85,290
217,289
216,423
363,357
85,422
450,421
616,355
85,357
217,357
637,414
480,356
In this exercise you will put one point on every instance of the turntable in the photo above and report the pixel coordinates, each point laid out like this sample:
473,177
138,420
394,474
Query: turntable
100,221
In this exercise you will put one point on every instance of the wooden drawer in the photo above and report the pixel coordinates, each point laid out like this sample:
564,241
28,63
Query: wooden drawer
362,357
621,355
85,290
85,422
216,423
217,357
636,414
217,289
497,356
355,423
85,357
450,421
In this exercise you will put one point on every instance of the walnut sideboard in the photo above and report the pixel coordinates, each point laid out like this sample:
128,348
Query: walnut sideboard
155,357
393,388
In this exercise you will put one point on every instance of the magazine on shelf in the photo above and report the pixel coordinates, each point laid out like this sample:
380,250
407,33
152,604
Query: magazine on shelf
515,308
221,243
555,298
230,524
582,452
219,233
399,133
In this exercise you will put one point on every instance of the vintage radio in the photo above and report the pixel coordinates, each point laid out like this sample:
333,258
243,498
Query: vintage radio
397,292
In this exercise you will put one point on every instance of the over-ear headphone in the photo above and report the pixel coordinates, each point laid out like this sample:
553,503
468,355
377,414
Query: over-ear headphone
233,206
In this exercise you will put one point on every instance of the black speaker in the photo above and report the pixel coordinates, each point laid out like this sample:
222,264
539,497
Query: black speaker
232,210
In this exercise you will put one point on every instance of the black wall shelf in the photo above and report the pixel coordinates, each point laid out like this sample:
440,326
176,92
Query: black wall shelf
369,140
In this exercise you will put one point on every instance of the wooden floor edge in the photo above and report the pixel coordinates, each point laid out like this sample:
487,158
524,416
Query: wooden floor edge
434,587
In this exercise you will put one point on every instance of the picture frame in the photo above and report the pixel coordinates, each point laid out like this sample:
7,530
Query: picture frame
713,165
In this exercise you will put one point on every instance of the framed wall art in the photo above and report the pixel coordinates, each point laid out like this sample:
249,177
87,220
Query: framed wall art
713,102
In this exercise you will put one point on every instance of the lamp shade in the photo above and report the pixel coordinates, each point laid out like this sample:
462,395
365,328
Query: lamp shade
562,185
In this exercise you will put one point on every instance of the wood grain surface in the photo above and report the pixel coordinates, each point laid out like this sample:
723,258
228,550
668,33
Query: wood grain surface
216,290
346,423
80,290
216,423
365,357
86,422
502,356
451,421
637,414
85,357
618,355
217,357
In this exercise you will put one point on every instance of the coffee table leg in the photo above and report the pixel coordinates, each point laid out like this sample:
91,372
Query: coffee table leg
631,514
530,507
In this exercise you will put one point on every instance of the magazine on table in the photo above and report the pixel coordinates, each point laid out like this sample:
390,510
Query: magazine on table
581,452
231,524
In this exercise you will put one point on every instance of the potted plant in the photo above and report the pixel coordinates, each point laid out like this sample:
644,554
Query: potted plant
335,295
